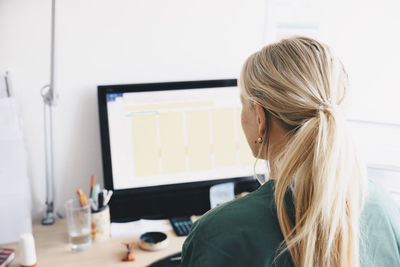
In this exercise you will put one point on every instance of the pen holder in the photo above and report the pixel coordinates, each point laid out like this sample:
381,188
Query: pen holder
101,224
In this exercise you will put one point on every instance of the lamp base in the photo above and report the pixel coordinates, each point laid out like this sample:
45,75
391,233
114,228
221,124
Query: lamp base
50,218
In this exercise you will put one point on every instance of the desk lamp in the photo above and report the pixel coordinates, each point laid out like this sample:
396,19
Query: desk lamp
49,96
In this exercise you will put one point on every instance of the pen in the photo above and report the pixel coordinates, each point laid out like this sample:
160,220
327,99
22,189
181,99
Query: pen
101,200
108,197
96,189
92,185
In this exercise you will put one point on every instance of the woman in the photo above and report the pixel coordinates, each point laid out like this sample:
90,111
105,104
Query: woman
317,209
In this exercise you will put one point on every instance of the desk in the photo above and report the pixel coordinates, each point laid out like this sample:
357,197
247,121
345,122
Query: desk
52,249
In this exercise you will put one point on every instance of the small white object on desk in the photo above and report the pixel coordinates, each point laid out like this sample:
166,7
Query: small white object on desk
28,251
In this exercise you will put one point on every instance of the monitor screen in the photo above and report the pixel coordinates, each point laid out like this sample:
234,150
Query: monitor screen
163,136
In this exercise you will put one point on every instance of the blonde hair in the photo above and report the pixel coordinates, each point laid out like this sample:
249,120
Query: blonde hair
303,85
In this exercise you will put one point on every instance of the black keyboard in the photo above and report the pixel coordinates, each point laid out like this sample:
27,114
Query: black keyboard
181,225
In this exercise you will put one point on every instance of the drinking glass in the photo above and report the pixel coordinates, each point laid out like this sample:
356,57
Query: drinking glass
78,224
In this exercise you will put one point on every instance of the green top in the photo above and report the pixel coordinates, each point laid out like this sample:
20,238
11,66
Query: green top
246,232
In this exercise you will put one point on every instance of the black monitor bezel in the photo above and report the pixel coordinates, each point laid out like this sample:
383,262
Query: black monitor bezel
103,90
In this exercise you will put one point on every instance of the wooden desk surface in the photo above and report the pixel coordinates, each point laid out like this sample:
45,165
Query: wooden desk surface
52,249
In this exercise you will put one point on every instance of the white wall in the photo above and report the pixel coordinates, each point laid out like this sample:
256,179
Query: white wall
107,42
365,34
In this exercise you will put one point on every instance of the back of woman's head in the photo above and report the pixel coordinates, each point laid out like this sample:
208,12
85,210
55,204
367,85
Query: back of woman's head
303,85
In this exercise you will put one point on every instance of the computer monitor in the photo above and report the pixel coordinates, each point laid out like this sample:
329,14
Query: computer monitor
165,144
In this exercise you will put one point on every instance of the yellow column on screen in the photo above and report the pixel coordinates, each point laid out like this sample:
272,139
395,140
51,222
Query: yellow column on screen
224,137
245,154
145,144
172,142
198,138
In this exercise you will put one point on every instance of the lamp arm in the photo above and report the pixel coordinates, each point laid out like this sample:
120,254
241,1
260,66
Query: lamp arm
50,96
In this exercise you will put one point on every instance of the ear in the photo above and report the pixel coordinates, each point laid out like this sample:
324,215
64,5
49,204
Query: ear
261,119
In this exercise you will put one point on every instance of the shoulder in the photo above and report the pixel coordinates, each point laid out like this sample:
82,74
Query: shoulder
237,213
380,227
225,235
379,203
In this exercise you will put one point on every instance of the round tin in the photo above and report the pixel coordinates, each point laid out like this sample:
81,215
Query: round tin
153,241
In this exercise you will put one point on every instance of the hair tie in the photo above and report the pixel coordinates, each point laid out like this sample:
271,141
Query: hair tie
327,106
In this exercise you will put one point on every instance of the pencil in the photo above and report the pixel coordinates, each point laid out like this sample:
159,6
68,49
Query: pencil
82,198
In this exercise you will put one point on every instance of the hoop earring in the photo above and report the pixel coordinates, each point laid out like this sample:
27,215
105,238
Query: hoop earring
259,140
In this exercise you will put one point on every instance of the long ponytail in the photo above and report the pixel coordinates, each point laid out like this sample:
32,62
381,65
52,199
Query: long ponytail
300,82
